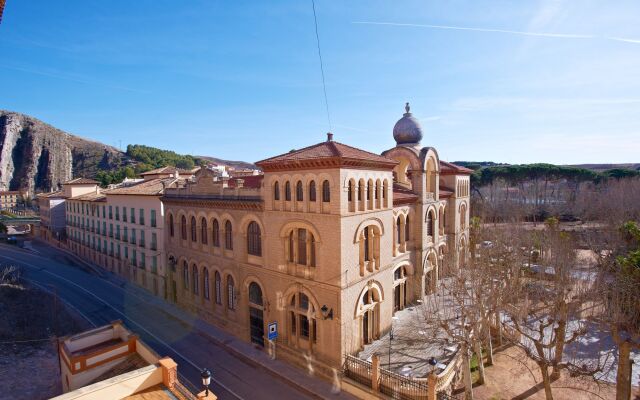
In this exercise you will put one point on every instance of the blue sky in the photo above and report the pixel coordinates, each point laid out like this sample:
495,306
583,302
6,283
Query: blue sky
508,81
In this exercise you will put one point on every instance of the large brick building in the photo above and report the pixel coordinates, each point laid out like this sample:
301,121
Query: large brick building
328,243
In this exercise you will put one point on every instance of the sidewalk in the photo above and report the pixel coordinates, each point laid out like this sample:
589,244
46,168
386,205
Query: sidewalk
294,376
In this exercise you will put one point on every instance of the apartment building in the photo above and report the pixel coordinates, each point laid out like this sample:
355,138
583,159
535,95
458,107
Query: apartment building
121,229
328,244
9,199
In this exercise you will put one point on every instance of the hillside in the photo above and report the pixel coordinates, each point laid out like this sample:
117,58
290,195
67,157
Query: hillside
37,157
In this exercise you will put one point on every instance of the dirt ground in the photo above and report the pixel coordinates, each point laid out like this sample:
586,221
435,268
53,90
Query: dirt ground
513,376
30,321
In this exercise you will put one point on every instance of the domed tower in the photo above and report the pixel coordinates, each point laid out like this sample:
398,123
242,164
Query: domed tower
407,131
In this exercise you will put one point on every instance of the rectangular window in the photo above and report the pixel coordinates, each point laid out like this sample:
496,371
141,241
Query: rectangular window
154,264
104,211
141,216
143,260
153,218
124,214
118,249
134,258
117,213
110,212
142,238
154,241
133,215
110,230
125,235
133,236
302,246
104,228
118,232
126,252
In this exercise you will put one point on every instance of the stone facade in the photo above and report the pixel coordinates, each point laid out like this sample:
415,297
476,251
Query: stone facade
328,244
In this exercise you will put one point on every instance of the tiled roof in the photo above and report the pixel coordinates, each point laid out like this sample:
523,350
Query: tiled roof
8,192
447,168
93,196
166,170
152,187
328,150
81,181
445,192
52,195
403,196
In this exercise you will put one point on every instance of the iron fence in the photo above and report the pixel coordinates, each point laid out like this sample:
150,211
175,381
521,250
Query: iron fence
358,370
401,387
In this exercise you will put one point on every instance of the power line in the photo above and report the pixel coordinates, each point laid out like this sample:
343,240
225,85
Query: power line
324,86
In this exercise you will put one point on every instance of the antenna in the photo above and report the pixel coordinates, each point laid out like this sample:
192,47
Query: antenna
324,86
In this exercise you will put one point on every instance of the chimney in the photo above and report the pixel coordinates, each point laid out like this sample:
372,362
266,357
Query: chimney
329,137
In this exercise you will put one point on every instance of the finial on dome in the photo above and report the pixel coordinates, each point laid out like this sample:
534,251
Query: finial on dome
407,130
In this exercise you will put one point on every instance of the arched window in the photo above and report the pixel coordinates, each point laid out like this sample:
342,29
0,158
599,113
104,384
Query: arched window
218,283
377,190
369,190
185,275
254,240
171,231
430,222
301,317
255,294
216,233
312,191
205,283
194,278
287,191
299,191
350,191
326,192
407,229
366,244
301,247
231,293
399,288
183,228
399,230
228,235
203,231
463,216
193,229
276,191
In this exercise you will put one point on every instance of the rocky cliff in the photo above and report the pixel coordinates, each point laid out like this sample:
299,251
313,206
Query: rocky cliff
37,157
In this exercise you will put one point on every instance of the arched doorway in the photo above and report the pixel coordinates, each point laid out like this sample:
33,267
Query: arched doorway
370,305
399,288
256,314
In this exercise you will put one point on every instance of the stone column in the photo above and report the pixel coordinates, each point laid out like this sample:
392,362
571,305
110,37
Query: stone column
169,372
375,373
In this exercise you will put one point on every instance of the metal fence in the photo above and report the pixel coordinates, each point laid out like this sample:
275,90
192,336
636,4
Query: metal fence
358,370
402,388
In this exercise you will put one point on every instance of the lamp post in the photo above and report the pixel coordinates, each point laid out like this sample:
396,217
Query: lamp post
206,380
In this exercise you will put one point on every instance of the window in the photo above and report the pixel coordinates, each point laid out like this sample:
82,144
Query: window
407,229
366,244
154,241
255,294
254,243
142,243
216,233
231,293
194,278
205,283
141,216
154,264
228,236
153,218
124,214
126,252
183,228
299,191
430,227
369,189
287,191
276,191
291,247
301,247
133,215
301,317
133,236
171,231
218,283
326,192
143,260
203,231
125,234
110,212
134,258
312,191
185,275
350,191
193,229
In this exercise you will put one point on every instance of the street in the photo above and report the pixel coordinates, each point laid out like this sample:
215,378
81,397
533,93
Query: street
101,300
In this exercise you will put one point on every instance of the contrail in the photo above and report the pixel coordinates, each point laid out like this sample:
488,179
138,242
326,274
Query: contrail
490,30
463,28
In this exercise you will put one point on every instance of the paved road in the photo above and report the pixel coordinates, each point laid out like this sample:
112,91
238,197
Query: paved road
101,301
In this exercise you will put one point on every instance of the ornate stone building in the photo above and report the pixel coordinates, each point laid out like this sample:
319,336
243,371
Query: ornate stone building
328,243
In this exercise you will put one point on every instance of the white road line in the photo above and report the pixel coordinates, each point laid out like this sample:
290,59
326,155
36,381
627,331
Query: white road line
124,316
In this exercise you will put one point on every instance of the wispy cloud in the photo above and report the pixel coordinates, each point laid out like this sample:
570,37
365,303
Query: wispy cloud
505,31
65,77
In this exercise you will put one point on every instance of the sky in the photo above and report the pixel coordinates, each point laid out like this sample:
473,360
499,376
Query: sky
505,81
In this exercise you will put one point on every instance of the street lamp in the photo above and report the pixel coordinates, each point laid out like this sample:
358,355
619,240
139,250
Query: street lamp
206,380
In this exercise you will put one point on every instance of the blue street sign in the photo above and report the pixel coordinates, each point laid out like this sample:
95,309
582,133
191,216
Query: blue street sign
273,331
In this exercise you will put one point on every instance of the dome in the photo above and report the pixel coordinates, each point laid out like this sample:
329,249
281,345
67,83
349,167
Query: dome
407,130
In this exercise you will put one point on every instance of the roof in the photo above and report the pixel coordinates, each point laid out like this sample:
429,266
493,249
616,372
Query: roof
403,196
151,187
250,181
59,194
81,181
166,170
326,154
445,192
9,192
447,168
93,196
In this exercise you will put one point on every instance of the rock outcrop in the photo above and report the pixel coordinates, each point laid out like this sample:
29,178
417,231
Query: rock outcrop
37,157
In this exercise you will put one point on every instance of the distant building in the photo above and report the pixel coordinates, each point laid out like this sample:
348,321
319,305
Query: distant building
110,362
9,199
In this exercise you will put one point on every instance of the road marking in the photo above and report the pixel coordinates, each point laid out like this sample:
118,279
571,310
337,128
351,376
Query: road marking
126,317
